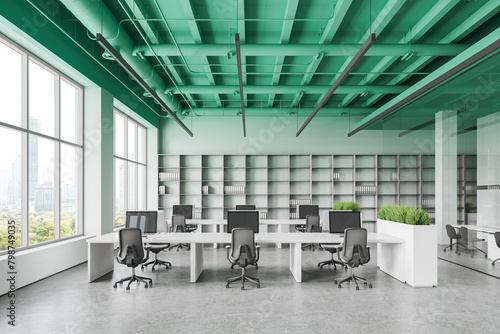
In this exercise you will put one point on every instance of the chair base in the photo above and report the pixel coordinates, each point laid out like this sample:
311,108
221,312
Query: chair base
353,278
451,247
244,278
256,265
472,250
331,262
179,246
493,263
135,278
157,262
311,246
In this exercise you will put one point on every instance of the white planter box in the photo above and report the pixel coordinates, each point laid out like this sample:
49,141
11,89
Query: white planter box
417,263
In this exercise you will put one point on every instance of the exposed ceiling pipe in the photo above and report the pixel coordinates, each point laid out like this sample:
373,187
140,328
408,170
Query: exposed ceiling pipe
240,81
268,89
89,14
279,112
344,50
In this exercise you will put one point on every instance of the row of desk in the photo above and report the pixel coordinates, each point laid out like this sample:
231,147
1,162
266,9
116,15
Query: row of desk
101,255
493,251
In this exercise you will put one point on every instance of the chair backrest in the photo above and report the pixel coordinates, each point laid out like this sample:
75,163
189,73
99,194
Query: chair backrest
452,233
243,241
178,223
464,233
130,241
312,223
497,238
355,251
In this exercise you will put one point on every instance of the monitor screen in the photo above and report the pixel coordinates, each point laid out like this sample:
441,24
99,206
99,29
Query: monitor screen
243,218
145,220
185,210
245,207
305,210
340,220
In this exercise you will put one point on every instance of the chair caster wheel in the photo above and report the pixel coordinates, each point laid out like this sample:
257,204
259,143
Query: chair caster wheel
142,268
486,256
339,286
227,286
114,286
335,282
146,285
357,288
128,288
493,264
153,269
242,288
150,284
370,286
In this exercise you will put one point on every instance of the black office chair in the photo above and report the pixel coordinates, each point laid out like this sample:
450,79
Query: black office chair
131,253
354,253
312,226
497,239
453,235
156,248
179,226
243,252
470,239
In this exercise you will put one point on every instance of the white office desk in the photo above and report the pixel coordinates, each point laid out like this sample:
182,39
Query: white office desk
217,225
100,249
493,251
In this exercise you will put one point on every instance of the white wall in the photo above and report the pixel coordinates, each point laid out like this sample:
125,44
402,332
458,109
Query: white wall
276,135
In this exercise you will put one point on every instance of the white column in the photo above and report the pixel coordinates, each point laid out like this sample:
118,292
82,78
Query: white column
488,170
98,161
446,172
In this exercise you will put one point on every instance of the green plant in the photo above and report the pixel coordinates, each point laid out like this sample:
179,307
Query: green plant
470,207
353,206
404,214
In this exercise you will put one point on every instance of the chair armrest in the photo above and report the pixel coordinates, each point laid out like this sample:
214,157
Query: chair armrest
257,249
228,247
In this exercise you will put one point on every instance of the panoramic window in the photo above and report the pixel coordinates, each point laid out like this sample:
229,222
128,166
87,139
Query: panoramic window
42,151
130,166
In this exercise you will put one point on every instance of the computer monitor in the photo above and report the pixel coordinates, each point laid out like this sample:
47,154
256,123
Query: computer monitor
243,218
145,220
245,207
308,209
184,209
340,220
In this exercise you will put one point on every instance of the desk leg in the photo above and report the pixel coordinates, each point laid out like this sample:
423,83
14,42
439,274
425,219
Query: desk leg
196,261
214,230
296,261
279,230
101,260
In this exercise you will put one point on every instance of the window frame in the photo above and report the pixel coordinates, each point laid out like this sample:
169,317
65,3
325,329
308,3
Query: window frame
26,132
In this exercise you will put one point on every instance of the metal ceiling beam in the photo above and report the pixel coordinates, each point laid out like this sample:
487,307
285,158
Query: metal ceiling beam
240,80
241,30
477,53
473,21
385,16
89,14
333,24
195,31
286,31
123,63
266,89
354,61
274,50
140,12
418,30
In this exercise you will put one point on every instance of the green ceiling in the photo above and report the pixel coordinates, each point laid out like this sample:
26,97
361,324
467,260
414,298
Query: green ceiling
292,50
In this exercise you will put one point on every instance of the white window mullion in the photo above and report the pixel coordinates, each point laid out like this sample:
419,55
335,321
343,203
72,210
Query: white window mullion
24,192
57,191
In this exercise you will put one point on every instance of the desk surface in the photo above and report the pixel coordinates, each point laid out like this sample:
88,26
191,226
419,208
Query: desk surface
259,237
479,228
261,221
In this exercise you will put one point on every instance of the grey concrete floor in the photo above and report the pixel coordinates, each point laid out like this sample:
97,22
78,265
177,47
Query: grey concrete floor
464,301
